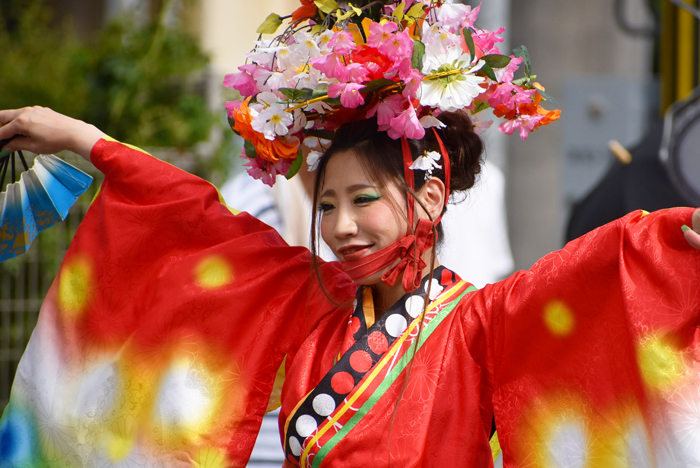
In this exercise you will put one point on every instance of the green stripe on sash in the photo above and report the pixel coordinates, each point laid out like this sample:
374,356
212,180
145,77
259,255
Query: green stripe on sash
388,380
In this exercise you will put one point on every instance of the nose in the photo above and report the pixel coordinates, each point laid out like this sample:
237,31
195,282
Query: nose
345,225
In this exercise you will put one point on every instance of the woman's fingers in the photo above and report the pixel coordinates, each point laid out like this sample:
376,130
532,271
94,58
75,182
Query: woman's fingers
693,235
41,130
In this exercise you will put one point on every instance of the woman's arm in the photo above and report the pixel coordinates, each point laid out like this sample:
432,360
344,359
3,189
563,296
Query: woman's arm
41,130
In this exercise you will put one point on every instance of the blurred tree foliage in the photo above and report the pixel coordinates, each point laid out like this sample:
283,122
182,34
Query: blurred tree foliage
141,83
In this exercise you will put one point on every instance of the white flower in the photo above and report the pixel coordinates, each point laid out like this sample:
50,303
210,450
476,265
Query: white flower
290,59
267,80
306,44
430,121
454,91
299,121
267,98
311,142
427,162
320,107
437,57
272,121
452,15
435,37
323,41
313,159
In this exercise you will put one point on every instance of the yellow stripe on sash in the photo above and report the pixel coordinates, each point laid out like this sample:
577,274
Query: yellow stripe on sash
377,369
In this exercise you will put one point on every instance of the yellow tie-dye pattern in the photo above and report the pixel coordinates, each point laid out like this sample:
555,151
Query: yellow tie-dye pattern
558,318
661,365
213,272
74,287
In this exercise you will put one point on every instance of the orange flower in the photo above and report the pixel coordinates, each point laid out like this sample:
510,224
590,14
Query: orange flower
242,121
270,150
529,109
273,150
306,10
549,116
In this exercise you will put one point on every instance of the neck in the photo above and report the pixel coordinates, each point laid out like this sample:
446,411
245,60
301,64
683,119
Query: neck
385,296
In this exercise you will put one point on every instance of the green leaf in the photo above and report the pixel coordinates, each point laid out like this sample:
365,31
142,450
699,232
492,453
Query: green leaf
470,43
250,149
416,11
320,90
480,106
270,25
496,60
296,165
357,11
326,6
332,101
297,94
398,12
376,84
547,97
521,51
4,153
488,71
418,53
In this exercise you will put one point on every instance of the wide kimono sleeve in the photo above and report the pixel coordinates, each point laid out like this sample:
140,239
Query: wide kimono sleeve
159,341
593,354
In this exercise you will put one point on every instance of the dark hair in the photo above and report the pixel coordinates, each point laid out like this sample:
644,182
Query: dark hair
383,159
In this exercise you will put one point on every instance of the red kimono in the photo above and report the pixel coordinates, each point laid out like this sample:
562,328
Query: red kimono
159,342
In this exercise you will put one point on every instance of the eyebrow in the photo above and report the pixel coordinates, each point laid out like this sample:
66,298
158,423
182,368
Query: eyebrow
350,189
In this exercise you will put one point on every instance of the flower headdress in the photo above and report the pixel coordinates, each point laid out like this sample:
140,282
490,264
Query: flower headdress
404,62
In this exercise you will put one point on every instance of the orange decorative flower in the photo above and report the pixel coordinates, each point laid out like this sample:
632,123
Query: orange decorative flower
306,10
270,150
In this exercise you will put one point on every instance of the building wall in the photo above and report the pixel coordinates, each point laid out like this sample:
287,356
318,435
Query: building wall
566,39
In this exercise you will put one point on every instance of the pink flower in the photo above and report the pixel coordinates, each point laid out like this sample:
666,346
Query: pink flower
505,74
406,124
510,95
357,73
342,43
410,76
387,109
525,123
398,46
470,19
331,66
243,81
264,170
350,96
231,106
486,40
380,33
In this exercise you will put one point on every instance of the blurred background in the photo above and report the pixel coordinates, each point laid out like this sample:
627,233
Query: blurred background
149,72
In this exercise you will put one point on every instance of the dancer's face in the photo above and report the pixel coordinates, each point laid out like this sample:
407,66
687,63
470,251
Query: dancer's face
358,216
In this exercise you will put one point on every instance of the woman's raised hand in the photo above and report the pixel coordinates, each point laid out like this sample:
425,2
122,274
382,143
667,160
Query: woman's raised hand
693,235
43,131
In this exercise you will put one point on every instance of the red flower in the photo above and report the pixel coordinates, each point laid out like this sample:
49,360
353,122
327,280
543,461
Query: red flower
376,63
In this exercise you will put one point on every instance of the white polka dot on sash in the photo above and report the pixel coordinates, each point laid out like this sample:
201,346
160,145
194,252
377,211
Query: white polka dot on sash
306,425
324,404
295,446
414,305
435,288
395,325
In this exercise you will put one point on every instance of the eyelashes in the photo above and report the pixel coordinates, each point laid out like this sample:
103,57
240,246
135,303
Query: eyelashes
360,200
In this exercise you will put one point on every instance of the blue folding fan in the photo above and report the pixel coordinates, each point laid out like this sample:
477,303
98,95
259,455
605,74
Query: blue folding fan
41,198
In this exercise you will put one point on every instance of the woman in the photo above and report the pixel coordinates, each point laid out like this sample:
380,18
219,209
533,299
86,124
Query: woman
160,340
